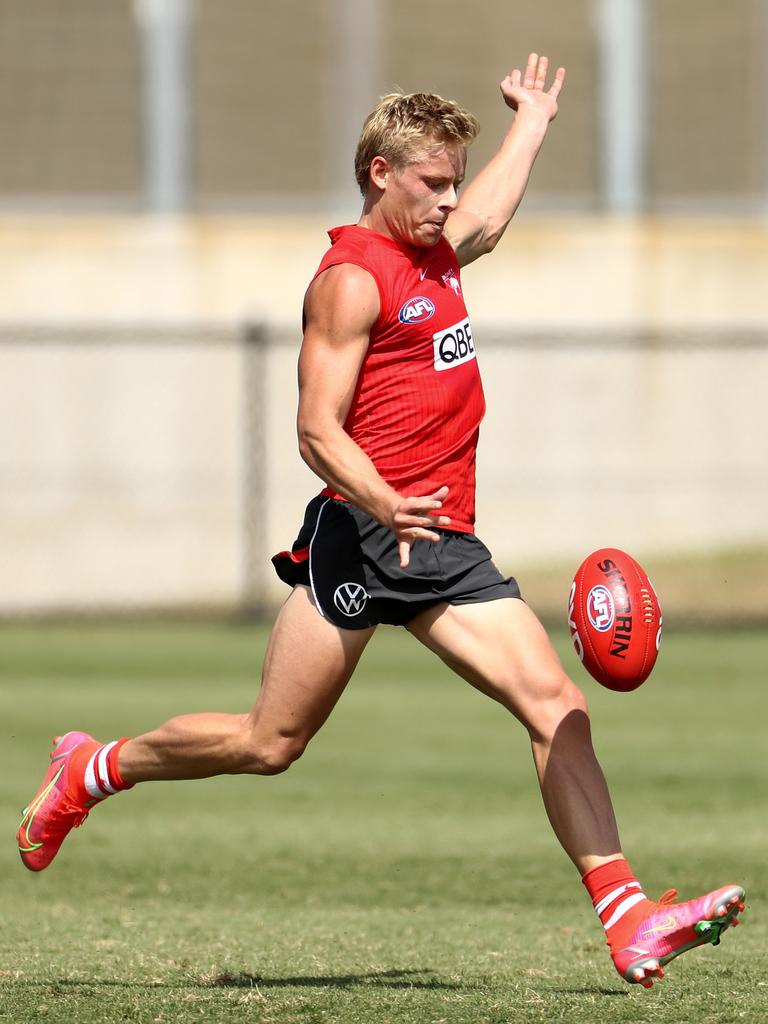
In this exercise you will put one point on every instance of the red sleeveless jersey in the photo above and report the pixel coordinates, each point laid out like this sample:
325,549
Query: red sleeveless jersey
419,400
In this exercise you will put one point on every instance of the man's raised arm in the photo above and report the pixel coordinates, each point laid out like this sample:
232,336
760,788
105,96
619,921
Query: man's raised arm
489,203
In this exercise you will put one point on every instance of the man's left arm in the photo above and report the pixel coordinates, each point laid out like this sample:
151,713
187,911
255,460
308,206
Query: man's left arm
489,203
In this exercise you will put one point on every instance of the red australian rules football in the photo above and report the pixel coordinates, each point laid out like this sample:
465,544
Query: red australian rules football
615,619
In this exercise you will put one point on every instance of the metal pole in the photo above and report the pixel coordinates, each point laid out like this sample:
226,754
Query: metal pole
164,26
760,126
357,86
623,102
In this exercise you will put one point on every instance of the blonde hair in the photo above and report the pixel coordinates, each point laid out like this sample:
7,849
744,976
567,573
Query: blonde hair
400,124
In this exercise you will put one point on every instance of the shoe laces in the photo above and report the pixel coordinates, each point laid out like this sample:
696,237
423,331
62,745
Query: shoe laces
667,898
70,815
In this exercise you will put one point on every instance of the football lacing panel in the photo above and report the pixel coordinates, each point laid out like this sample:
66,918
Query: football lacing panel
647,602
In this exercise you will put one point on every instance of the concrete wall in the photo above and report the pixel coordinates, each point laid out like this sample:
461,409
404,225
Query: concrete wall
552,272
121,470
147,451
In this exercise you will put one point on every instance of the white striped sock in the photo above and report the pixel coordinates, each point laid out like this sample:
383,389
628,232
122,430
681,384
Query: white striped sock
622,908
101,767
604,903
91,783
96,774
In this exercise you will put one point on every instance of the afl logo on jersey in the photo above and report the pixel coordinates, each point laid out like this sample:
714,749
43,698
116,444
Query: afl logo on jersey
417,310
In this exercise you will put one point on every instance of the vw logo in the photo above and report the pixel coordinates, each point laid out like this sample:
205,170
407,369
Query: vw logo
350,598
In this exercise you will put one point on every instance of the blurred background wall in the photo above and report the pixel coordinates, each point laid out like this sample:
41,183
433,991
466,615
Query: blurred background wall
169,170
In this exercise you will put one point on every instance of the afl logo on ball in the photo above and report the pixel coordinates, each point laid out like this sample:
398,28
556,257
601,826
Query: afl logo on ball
350,598
417,310
600,608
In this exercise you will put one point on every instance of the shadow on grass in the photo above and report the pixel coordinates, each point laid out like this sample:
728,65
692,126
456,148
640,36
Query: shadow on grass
374,979
590,990
395,979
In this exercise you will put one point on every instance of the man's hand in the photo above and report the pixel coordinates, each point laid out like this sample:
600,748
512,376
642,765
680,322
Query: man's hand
412,518
527,90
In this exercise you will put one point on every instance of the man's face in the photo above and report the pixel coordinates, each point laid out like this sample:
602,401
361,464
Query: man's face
419,197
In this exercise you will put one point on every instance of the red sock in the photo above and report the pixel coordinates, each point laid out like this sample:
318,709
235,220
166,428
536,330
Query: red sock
93,771
619,901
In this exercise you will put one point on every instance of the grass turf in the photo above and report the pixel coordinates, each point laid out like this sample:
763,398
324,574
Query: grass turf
403,871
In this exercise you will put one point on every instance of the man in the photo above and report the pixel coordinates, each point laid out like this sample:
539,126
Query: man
389,411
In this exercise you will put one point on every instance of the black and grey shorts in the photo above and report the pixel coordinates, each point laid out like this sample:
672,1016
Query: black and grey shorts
352,564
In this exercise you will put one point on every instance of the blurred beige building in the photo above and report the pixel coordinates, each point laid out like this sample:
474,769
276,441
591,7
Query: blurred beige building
147,355
277,90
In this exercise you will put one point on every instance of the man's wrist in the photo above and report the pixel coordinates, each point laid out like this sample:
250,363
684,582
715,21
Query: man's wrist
379,504
384,511
530,122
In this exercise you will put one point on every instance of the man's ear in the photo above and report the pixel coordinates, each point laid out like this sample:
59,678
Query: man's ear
380,171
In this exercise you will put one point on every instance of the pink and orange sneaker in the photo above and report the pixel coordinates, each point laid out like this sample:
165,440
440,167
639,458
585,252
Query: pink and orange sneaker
674,929
54,811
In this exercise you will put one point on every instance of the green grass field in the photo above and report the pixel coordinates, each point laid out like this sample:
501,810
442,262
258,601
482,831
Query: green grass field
402,871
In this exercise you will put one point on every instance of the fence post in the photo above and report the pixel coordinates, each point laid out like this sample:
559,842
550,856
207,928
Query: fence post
255,340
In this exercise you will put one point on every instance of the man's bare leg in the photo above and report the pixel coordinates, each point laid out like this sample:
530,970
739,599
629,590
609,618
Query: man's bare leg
306,668
308,663
502,649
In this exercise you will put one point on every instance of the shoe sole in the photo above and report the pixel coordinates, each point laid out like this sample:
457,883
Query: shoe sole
724,914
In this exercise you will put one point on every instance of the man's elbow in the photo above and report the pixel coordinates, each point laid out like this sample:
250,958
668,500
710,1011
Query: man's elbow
487,237
492,235
487,244
480,246
307,445
312,443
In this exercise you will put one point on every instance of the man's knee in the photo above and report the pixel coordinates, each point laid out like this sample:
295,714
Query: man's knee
274,755
556,698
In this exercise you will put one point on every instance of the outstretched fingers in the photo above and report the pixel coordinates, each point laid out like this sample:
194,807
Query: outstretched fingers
404,547
530,71
420,512
415,518
557,85
405,543
535,76
541,73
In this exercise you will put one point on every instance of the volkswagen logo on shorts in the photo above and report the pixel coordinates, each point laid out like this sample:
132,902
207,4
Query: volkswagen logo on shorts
600,608
350,598
416,310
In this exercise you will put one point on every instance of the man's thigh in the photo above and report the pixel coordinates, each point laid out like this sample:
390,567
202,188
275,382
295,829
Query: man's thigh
308,663
500,647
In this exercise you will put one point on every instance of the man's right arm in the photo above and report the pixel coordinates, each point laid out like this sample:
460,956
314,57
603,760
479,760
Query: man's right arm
341,308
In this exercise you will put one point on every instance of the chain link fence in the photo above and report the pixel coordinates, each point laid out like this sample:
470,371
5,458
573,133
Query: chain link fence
153,468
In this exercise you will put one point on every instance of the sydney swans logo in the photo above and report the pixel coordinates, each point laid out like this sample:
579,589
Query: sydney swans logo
350,598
